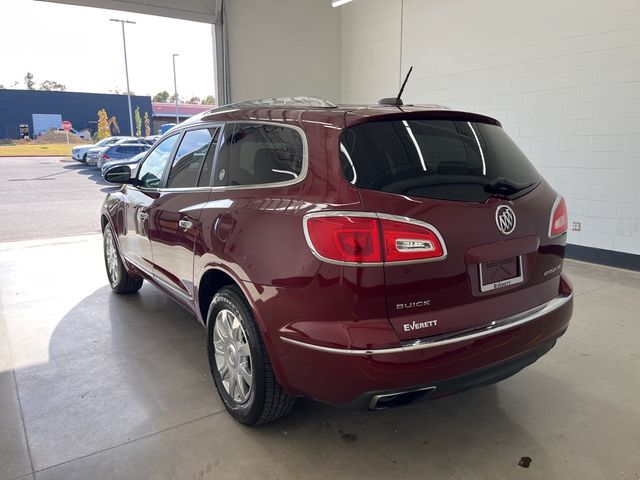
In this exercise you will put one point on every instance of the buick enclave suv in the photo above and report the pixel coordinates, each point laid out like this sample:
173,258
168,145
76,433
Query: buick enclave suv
367,256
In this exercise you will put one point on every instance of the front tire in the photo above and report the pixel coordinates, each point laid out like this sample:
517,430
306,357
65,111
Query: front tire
119,279
239,362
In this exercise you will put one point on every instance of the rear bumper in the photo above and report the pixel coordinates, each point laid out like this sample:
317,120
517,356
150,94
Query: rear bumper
353,377
380,399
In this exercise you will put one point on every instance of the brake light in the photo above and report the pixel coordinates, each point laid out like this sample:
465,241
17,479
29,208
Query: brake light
405,241
345,239
559,223
371,239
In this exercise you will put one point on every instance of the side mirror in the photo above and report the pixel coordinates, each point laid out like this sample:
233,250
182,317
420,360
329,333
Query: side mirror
119,174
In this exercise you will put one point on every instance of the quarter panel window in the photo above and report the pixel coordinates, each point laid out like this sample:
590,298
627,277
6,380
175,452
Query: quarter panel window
150,174
261,154
193,151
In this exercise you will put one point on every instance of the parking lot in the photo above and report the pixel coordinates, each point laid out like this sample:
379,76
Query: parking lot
48,197
95,385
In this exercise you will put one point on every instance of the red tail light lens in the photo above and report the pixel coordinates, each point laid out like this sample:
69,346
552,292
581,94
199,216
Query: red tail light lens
405,241
559,223
345,239
371,240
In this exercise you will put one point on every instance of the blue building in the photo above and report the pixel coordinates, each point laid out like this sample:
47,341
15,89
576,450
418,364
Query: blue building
17,107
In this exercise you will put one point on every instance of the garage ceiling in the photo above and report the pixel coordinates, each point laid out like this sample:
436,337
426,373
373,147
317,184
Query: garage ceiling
205,11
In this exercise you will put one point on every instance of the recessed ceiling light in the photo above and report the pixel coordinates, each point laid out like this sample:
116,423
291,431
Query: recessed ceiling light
337,3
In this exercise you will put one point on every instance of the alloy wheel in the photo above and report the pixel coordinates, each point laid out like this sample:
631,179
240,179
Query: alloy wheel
111,256
233,356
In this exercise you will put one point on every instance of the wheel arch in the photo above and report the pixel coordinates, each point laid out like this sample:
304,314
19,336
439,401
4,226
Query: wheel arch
216,277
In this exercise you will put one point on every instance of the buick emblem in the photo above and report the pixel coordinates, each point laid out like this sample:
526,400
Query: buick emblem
505,219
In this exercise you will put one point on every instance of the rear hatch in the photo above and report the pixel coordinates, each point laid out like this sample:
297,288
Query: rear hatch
468,182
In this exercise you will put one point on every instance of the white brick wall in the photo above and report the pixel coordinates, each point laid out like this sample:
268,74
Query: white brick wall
563,76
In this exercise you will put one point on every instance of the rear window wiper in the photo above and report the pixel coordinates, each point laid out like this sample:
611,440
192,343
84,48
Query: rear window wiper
503,186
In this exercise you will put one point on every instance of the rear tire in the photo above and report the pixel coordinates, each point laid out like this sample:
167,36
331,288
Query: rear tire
239,362
119,279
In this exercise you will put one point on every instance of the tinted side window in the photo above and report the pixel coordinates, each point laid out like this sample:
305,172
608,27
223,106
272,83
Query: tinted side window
190,157
260,154
150,174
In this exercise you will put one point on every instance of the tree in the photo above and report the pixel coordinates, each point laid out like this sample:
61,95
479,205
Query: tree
209,100
162,96
28,81
103,125
147,124
51,85
138,120
194,100
172,98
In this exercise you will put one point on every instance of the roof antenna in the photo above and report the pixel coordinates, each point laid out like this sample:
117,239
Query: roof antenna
397,101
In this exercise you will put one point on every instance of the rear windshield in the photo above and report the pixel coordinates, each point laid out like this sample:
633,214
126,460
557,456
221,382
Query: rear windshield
444,159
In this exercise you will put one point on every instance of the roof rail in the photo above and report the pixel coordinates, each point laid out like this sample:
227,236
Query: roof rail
303,101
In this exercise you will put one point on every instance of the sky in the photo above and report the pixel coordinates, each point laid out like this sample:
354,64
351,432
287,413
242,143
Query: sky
80,48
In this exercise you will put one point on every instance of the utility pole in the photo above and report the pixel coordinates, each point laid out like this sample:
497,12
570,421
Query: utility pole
126,68
175,86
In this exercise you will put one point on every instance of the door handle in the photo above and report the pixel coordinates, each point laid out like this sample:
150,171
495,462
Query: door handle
186,224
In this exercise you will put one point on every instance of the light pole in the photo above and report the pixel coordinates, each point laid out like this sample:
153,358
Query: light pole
175,85
126,68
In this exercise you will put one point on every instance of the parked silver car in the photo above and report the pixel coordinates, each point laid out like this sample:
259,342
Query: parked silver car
92,154
121,151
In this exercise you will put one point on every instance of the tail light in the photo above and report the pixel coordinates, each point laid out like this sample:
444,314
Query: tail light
371,239
559,222
405,241
345,239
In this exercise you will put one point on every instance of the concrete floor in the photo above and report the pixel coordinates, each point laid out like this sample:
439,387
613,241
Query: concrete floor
95,385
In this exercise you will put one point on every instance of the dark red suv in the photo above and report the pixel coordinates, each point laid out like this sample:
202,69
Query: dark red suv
368,256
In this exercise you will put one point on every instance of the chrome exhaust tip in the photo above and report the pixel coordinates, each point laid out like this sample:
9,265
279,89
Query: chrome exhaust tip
396,399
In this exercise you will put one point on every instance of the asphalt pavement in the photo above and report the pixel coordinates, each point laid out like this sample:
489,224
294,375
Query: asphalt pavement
49,197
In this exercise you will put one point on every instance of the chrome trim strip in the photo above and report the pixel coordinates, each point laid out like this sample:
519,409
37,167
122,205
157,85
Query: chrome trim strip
172,288
383,216
155,278
139,267
448,339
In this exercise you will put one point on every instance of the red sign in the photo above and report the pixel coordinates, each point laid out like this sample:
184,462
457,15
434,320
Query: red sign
66,125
